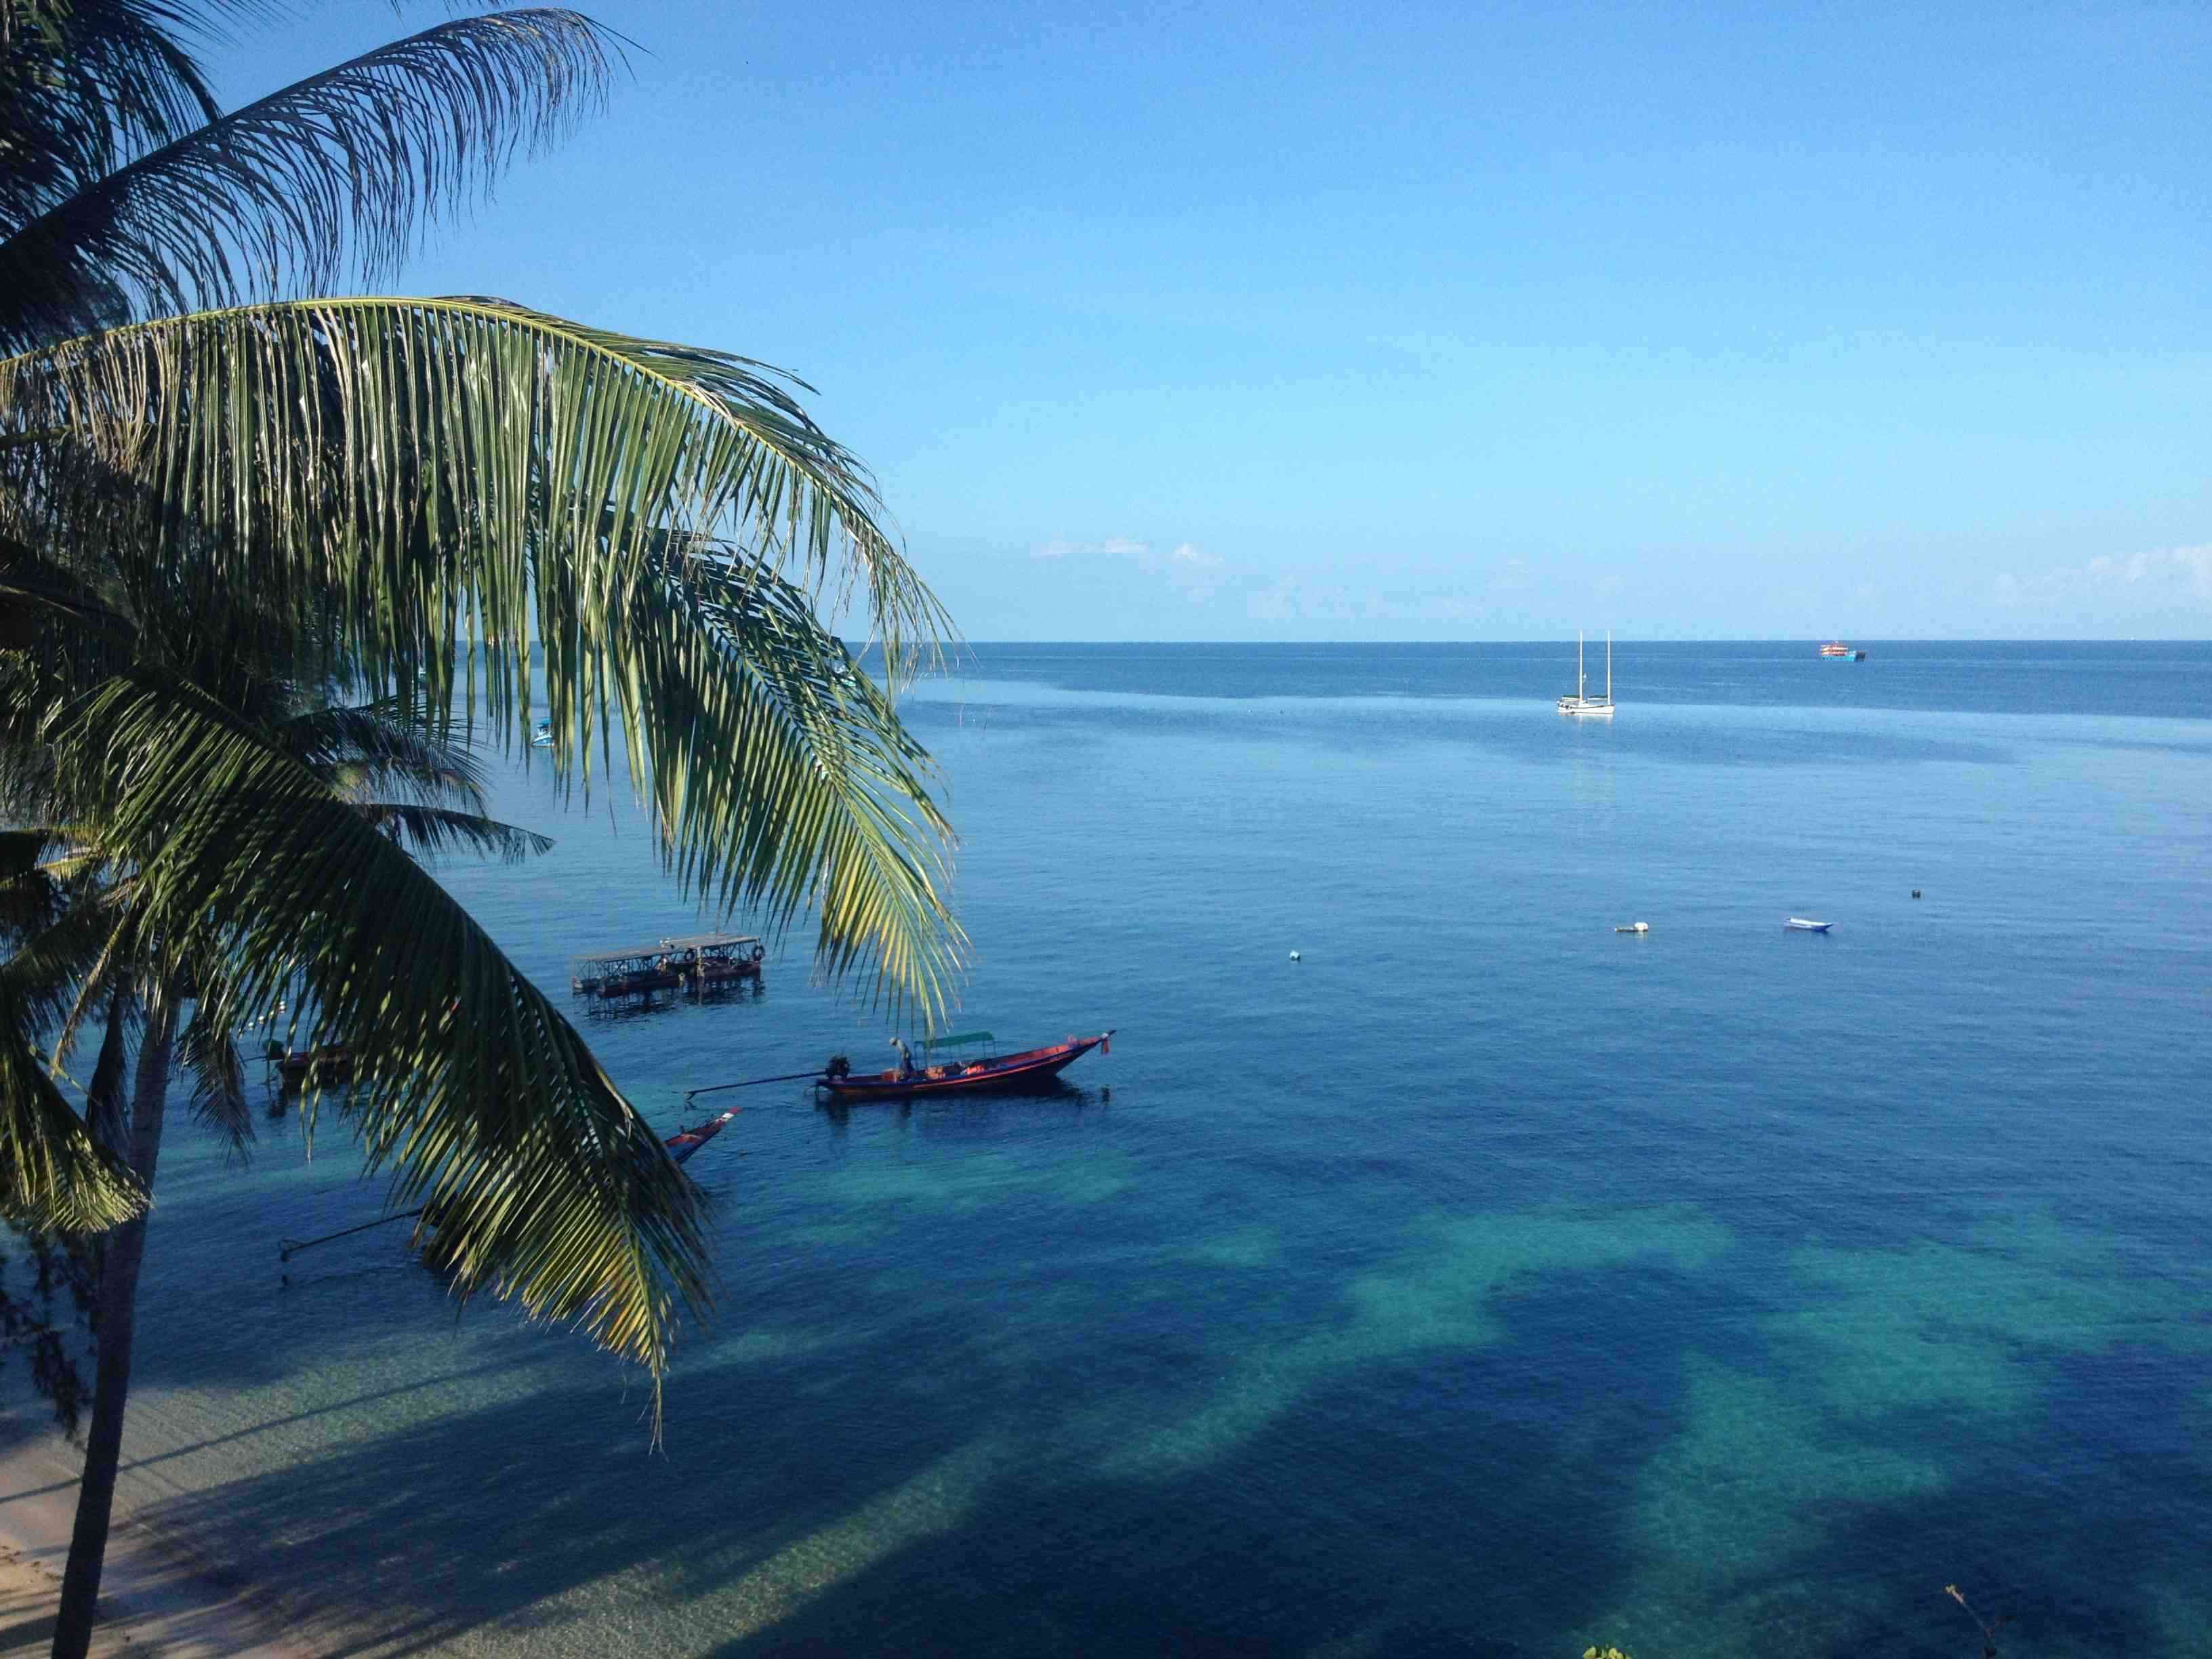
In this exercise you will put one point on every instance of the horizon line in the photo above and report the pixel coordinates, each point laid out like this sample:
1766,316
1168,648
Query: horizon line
1745,639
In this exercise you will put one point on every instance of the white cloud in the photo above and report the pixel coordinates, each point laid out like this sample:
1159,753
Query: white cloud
1192,571
1113,547
1198,575
2170,576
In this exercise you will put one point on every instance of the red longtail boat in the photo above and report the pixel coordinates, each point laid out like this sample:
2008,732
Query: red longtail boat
684,1142
965,1071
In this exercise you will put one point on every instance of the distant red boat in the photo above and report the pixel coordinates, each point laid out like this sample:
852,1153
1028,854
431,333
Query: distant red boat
961,1074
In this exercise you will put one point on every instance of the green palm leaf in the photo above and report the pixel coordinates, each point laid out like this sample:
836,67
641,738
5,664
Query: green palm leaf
463,477
209,1051
384,746
84,84
345,165
479,1097
780,776
53,1176
428,832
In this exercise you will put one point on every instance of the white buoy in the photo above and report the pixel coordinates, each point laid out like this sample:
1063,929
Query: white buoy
1294,956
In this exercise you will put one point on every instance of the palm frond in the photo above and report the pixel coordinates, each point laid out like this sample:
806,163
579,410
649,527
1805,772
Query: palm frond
385,746
781,778
54,1175
38,597
65,918
478,1096
429,832
466,476
341,169
30,895
208,1050
63,966
84,84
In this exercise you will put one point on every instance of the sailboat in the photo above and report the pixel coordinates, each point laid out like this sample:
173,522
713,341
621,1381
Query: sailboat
1582,702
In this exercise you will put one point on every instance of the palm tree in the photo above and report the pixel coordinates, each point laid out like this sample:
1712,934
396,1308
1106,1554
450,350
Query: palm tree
423,499
80,949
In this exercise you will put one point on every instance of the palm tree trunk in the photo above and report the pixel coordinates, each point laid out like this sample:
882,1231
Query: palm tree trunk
117,1311
104,1115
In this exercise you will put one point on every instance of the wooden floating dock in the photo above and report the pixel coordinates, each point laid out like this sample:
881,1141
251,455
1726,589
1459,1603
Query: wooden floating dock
696,964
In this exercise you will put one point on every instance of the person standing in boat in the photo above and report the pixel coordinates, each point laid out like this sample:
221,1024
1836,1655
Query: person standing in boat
905,1058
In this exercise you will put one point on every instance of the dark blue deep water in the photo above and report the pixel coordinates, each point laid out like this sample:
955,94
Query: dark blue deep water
1485,1283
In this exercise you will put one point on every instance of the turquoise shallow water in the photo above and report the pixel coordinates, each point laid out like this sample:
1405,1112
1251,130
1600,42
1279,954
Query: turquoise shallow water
1484,1283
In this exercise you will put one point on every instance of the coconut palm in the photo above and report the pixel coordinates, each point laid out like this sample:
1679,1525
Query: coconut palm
71,907
457,509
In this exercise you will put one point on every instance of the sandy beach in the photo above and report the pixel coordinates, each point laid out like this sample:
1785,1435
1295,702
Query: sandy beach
154,1600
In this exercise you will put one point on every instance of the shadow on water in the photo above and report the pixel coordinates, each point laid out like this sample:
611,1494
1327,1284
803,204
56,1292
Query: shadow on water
18,1429
860,1498
1267,1548
1118,1468
2067,1578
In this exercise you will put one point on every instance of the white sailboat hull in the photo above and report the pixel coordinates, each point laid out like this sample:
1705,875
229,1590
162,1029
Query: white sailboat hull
1582,703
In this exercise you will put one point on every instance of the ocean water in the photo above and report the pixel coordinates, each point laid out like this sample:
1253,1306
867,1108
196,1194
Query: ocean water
1484,1282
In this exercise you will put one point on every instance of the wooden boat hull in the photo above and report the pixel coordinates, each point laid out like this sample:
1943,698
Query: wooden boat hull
296,1071
1031,1066
684,1142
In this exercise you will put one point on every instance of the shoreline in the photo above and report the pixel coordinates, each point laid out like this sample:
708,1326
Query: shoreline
155,1597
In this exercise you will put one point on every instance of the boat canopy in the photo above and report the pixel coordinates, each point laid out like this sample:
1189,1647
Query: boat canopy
956,1039
634,953
703,941
647,954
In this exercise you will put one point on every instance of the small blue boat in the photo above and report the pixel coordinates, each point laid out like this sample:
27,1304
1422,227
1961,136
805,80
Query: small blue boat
1805,927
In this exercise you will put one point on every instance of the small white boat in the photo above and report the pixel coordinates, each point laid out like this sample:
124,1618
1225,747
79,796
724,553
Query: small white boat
541,735
1582,702
1804,926
1635,927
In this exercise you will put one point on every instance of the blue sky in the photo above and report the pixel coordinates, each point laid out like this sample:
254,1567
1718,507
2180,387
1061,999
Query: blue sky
1214,321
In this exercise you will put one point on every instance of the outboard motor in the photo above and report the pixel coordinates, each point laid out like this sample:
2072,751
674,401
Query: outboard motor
839,1067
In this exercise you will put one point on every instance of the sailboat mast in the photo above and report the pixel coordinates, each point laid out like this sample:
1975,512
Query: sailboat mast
1582,680
1608,665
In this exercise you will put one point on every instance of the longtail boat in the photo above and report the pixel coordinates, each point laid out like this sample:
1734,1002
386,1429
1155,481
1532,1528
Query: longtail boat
964,1069
684,1142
